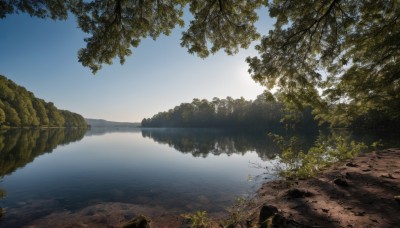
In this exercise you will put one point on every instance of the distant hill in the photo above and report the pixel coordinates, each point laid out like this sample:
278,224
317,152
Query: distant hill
105,123
20,108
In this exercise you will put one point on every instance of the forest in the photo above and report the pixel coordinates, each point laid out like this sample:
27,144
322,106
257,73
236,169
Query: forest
20,108
264,113
261,113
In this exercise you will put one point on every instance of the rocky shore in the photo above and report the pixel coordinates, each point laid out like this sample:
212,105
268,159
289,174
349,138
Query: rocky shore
361,192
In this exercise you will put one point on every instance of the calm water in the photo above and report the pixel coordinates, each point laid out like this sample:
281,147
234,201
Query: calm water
46,172
54,174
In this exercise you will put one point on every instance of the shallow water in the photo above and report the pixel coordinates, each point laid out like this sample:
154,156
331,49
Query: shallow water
104,176
48,172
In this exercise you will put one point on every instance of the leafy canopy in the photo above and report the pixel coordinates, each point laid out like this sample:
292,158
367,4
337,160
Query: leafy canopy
339,56
117,25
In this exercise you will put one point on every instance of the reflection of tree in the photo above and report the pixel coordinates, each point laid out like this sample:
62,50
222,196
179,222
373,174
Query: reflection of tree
201,142
19,147
2,195
106,130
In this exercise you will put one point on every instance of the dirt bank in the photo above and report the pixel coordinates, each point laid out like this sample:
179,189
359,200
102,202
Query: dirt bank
360,192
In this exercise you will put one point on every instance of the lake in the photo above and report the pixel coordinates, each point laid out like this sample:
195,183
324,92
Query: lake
104,176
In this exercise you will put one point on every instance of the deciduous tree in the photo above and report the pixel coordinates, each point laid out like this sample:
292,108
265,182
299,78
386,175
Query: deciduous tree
339,56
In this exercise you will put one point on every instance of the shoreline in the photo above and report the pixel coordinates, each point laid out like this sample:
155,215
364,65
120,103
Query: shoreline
359,192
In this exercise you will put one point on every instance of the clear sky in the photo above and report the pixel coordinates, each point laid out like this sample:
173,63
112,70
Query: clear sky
41,55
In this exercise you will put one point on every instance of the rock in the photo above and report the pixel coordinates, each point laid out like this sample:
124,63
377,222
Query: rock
397,198
325,210
341,182
298,193
138,222
351,164
389,176
266,212
278,220
361,213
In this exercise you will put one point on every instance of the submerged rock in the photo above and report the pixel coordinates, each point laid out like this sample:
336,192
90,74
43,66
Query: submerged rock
138,222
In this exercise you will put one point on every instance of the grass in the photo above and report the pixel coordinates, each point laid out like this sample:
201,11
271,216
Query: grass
198,219
295,163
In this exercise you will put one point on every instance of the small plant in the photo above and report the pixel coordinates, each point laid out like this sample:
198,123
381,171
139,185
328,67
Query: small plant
238,213
198,219
297,164
377,144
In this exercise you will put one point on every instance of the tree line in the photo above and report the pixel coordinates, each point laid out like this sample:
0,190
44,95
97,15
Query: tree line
339,57
264,113
20,108
231,113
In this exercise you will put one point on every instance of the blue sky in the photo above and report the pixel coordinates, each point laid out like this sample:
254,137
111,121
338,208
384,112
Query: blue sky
41,55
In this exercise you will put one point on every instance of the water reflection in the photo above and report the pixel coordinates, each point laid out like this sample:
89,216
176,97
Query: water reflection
132,170
202,142
20,147
96,131
123,171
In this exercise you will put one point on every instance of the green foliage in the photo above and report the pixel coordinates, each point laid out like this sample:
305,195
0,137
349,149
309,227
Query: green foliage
238,212
12,118
326,151
56,119
2,116
117,25
20,108
225,24
39,106
377,144
198,219
340,57
228,113
54,9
